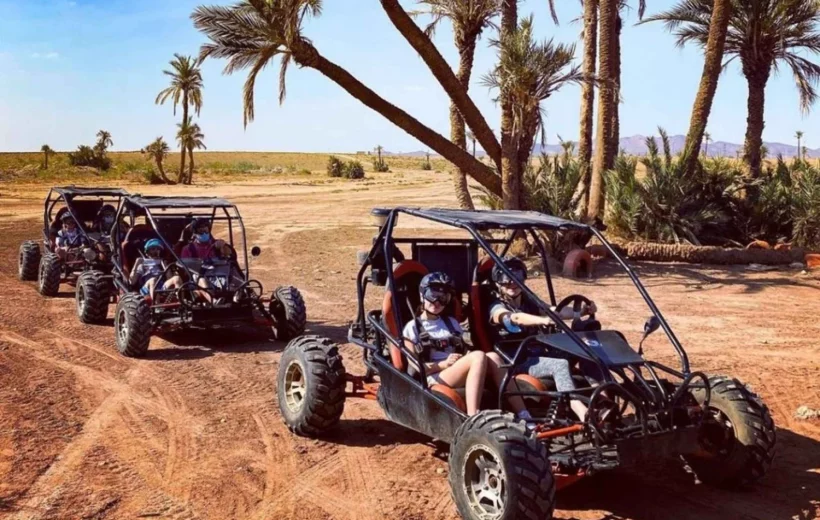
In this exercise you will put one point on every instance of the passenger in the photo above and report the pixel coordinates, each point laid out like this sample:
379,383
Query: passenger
147,270
69,237
437,340
104,222
513,317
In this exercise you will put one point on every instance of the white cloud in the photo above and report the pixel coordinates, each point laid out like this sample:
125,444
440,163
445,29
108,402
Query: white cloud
45,55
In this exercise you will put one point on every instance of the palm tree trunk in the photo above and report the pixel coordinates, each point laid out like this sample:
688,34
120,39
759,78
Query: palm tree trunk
754,121
510,173
181,176
46,154
306,55
615,133
444,74
587,103
604,155
713,62
162,172
458,134
190,177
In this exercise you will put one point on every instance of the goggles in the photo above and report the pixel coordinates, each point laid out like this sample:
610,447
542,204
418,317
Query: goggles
437,295
519,274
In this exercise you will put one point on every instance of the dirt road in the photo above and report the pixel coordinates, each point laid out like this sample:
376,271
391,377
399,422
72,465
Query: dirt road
193,432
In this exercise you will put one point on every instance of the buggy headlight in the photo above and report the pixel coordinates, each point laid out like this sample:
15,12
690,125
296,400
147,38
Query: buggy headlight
89,254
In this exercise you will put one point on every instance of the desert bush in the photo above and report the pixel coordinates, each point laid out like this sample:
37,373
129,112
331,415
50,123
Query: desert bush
379,165
335,167
87,156
806,207
353,170
426,165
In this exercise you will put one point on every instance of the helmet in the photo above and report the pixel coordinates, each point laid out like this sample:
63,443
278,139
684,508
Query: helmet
437,287
199,222
65,217
106,208
154,242
513,264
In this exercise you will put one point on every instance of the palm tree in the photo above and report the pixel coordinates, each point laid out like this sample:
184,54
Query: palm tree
158,150
604,151
469,19
706,139
104,141
443,73
798,135
764,34
587,101
251,33
471,137
189,137
510,174
185,89
528,73
46,149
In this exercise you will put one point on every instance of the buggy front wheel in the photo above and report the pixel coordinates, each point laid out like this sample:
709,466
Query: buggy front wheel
28,261
287,307
48,278
311,385
92,296
499,470
132,325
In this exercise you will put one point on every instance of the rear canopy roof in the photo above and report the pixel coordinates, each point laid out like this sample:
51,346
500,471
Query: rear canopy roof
178,202
74,191
486,219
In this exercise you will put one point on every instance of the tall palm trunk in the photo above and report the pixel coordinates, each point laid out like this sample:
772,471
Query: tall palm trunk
754,122
181,176
306,55
604,156
161,171
713,62
587,103
190,177
458,134
444,74
46,154
510,173
615,133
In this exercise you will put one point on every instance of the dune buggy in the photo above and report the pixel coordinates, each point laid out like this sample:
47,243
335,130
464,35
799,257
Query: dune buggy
87,265
501,467
229,298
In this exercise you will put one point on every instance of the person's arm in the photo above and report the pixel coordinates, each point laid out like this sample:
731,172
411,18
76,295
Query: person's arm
500,313
136,271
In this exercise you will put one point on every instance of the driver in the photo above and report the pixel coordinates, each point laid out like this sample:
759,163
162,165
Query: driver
69,237
202,245
148,269
512,316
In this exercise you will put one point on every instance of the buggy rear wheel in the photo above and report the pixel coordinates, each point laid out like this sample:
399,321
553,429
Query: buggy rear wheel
289,314
311,385
500,471
132,325
28,260
740,438
48,277
92,296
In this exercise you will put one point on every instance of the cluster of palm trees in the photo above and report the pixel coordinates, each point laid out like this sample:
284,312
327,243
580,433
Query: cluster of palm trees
763,34
185,90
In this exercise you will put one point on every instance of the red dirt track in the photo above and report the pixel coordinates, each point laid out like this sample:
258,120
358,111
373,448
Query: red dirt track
193,431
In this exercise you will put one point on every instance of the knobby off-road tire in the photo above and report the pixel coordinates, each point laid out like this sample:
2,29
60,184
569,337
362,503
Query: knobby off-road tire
311,385
743,449
289,313
498,470
48,277
92,296
132,325
29,261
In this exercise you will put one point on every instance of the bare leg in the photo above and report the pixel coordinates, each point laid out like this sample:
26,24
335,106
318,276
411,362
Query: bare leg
497,373
469,372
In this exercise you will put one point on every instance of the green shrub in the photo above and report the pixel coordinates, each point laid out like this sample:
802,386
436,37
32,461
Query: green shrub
380,166
353,170
87,156
426,165
806,207
335,167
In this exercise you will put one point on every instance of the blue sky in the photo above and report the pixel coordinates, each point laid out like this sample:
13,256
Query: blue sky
71,67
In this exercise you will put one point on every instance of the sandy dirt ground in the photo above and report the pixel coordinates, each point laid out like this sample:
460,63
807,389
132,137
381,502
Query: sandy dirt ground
193,431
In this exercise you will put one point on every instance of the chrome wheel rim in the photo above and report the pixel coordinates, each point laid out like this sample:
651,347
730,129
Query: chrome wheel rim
80,298
122,327
295,387
485,482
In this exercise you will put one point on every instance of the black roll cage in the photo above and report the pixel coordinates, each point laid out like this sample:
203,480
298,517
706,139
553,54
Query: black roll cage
230,213
67,194
387,243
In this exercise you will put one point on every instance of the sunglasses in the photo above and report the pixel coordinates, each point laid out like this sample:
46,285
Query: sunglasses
434,295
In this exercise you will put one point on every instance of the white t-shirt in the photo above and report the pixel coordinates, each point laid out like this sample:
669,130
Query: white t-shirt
436,329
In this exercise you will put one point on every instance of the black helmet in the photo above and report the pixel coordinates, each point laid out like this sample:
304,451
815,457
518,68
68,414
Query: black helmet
437,287
106,208
199,222
65,217
513,264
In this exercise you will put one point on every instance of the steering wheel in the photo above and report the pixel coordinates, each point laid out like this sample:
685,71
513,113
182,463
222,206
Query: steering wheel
579,324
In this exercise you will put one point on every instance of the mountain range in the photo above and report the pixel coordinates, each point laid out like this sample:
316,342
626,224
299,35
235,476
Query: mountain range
636,145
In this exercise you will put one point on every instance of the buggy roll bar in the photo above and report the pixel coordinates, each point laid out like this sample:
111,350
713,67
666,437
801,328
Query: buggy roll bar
48,207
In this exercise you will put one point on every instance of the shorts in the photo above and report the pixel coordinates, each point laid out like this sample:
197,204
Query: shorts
435,379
